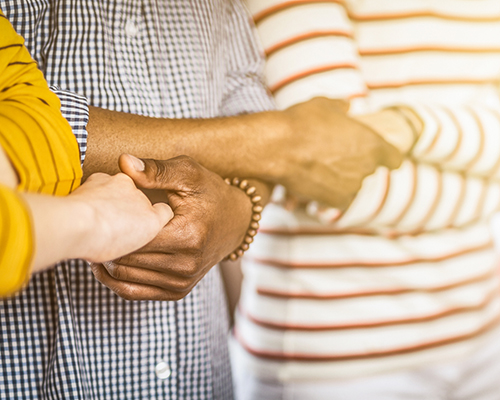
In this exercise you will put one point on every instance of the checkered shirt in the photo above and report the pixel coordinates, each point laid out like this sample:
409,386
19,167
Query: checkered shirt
66,336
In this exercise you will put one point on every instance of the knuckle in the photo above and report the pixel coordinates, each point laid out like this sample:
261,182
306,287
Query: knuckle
181,286
127,293
197,237
189,166
122,178
160,170
190,268
96,270
115,270
98,177
177,296
196,242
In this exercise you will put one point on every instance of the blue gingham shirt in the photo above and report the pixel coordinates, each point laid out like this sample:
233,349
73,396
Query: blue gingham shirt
66,336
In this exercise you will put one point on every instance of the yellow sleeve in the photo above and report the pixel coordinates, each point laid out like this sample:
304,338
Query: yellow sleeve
16,242
33,132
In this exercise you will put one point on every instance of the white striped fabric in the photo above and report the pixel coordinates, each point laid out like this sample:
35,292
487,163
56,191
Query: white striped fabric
407,275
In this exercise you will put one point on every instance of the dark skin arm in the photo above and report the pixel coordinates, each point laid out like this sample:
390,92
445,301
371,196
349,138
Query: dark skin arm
314,149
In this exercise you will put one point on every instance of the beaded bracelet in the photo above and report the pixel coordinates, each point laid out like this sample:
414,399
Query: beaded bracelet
257,208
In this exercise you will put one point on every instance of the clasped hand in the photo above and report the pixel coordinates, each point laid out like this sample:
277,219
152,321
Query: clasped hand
210,220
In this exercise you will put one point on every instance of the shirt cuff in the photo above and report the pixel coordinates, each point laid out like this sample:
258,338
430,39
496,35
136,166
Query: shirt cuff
75,109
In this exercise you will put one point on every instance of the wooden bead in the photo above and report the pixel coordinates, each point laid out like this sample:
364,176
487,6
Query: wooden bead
254,225
257,208
256,217
248,239
256,199
251,192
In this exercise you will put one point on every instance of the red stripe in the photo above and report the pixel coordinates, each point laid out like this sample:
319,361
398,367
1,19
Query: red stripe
306,36
361,263
312,71
460,133
394,85
258,17
381,205
384,52
319,231
458,205
482,136
421,14
375,324
384,292
494,169
359,356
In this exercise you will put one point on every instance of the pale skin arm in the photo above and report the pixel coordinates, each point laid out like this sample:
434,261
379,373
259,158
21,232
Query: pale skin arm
105,218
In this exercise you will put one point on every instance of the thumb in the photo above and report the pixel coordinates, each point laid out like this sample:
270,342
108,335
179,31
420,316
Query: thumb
146,173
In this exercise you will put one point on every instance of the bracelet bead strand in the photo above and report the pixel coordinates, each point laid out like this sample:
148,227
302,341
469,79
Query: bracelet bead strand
255,198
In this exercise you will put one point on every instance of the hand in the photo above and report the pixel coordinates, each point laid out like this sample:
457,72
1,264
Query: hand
210,221
121,217
104,218
393,127
329,153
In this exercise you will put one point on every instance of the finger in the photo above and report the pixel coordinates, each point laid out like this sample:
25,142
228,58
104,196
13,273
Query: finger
133,291
178,265
164,280
164,212
390,156
173,174
181,234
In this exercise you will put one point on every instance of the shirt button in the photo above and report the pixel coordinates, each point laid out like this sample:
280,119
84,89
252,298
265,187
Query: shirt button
162,370
131,29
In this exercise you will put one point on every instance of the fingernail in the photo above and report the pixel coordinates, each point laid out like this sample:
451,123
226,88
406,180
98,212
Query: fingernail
137,163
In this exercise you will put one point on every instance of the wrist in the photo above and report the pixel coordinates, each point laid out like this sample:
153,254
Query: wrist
268,160
254,147
82,239
58,220
254,200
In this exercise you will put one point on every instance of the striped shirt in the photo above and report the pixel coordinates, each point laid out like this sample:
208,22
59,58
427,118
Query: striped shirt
407,275
40,146
66,335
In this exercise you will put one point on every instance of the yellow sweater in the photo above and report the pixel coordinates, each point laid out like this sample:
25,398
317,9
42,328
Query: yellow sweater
41,147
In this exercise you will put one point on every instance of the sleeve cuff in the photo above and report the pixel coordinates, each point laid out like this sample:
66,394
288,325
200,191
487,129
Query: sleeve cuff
75,109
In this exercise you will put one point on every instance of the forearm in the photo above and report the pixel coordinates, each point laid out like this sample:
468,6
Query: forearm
313,149
232,146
